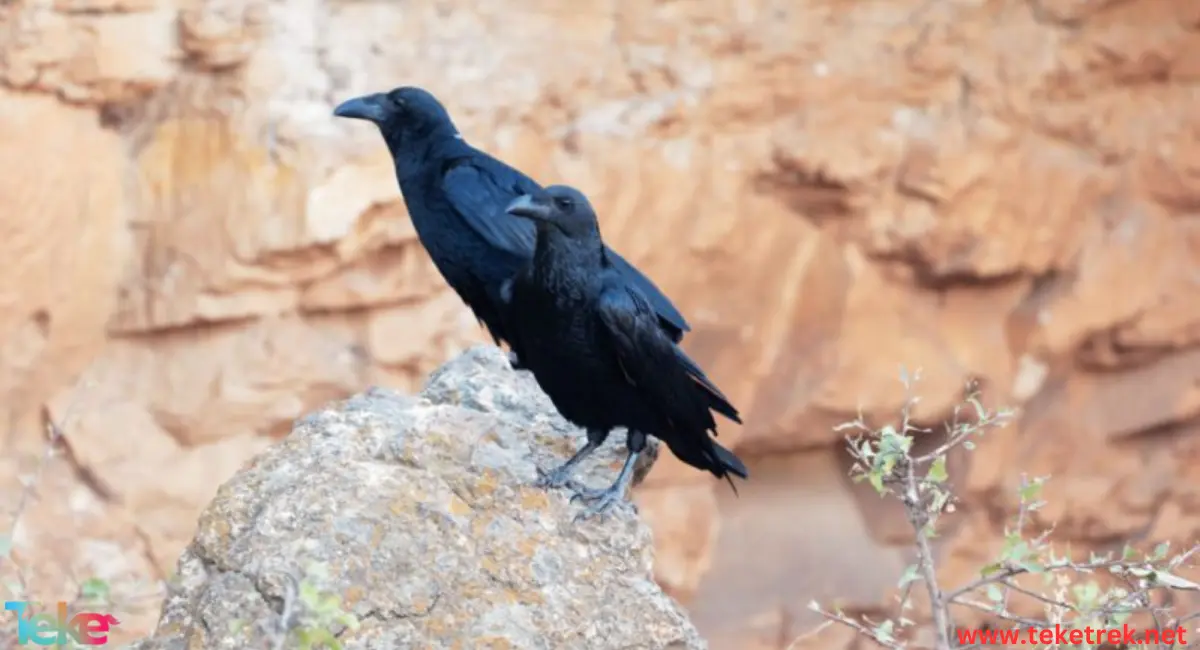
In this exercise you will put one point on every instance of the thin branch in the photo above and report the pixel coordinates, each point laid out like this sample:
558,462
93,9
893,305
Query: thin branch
1010,570
891,644
991,609
811,633
918,517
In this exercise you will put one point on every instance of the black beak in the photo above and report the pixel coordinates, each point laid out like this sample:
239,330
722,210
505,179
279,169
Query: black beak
528,207
367,107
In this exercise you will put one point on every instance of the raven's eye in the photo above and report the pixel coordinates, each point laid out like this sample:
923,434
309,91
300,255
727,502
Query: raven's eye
396,99
564,203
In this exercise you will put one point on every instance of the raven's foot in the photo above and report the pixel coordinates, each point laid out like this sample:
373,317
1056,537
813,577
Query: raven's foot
602,500
557,477
561,475
605,499
515,361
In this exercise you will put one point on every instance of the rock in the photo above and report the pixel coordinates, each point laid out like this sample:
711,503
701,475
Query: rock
416,516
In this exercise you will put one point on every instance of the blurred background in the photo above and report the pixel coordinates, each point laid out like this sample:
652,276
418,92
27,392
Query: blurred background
196,253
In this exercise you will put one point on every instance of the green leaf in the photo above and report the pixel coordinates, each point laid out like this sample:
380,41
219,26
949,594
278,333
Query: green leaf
937,470
968,445
989,569
1030,491
910,574
1160,551
1127,553
1174,581
980,412
876,479
1018,551
993,593
889,464
1086,594
884,630
1033,567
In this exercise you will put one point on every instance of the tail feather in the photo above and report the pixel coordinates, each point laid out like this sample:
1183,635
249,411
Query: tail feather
729,464
716,399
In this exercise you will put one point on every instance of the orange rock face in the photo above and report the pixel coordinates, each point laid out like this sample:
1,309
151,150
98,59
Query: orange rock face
197,252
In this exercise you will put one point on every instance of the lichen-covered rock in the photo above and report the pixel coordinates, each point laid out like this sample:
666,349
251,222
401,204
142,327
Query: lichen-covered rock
410,522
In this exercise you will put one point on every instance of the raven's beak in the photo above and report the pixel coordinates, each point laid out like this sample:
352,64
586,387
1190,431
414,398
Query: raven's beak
367,107
527,207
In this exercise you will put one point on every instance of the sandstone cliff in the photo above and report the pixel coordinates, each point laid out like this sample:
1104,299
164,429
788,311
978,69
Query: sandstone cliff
198,253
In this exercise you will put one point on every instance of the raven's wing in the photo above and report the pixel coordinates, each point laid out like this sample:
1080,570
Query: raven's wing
631,324
479,189
672,320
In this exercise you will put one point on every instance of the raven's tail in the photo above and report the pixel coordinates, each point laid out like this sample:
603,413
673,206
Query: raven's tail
716,399
727,464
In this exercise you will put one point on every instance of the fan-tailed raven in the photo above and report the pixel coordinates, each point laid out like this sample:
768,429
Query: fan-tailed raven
593,341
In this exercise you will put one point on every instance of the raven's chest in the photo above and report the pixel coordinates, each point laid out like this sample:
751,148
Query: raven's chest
557,317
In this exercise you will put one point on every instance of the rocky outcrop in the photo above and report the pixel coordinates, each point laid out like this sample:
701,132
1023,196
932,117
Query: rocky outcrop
397,522
198,254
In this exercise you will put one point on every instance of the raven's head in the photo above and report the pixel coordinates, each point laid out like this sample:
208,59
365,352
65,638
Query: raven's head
561,206
405,112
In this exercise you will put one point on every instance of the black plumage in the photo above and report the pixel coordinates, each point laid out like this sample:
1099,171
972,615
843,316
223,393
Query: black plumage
592,340
456,196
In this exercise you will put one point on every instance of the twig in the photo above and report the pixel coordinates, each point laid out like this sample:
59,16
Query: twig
860,628
1013,570
991,609
810,634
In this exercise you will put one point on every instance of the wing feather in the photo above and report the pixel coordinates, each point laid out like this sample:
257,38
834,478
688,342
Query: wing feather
479,193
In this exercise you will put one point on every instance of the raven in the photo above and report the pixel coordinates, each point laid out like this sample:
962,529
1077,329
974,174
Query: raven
592,340
456,195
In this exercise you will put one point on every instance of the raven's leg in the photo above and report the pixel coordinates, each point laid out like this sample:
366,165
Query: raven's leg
561,475
608,497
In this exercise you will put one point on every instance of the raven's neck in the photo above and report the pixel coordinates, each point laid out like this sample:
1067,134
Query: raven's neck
559,256
413,151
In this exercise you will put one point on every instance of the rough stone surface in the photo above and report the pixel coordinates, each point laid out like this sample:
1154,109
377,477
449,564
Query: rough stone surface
197,253
418,516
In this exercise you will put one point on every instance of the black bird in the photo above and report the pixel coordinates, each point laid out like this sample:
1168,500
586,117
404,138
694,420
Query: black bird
592,340
456,196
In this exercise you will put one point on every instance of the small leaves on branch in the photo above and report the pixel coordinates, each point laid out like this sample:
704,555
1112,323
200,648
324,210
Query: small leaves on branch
1068,596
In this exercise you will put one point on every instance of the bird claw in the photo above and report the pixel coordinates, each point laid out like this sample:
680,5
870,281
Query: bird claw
603,500
584,493
555,478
